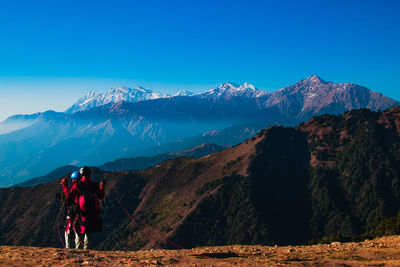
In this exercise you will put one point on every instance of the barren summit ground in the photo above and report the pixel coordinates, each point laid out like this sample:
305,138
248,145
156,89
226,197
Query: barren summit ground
379,252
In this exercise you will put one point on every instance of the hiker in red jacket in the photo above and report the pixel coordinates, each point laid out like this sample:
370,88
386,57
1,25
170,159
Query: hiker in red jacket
85,195
71,215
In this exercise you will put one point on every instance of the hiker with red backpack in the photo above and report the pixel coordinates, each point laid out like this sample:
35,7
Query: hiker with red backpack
85,195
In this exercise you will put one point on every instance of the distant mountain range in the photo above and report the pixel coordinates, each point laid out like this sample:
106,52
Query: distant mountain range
330,178
132,95
103,130
311,95
128,164
114,95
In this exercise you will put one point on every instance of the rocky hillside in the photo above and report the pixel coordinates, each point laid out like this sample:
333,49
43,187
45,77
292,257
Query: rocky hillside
334,177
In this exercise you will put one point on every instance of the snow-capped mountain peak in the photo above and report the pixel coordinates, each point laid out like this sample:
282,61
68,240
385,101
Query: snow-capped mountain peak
88,97
183,93
228,90
248,86
227,86
90,94
314,79
114,95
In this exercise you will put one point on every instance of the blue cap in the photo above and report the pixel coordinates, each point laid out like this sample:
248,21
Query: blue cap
75,175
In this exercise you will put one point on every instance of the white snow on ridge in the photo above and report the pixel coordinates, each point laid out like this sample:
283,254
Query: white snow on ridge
117,94
232,90
114,95
183,93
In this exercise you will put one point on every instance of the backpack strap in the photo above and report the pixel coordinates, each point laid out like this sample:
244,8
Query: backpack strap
82,187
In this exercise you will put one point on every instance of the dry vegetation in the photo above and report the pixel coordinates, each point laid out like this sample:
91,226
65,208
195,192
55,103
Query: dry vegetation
378,252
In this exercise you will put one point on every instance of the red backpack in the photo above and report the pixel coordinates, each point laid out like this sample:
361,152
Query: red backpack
89,208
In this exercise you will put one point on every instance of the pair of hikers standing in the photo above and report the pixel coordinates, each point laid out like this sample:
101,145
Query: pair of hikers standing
83,207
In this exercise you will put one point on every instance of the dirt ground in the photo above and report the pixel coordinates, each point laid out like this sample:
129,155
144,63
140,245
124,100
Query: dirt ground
379,252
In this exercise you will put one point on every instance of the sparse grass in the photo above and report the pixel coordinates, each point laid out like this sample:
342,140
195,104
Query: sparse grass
355,254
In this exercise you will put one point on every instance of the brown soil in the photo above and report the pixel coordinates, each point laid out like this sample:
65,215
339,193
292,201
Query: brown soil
383,251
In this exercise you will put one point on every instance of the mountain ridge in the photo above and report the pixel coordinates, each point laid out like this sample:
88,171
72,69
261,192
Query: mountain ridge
127,164
341,171
116,94
124,129
226,90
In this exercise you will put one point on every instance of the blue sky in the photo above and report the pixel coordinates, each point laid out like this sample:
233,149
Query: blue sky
53,52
